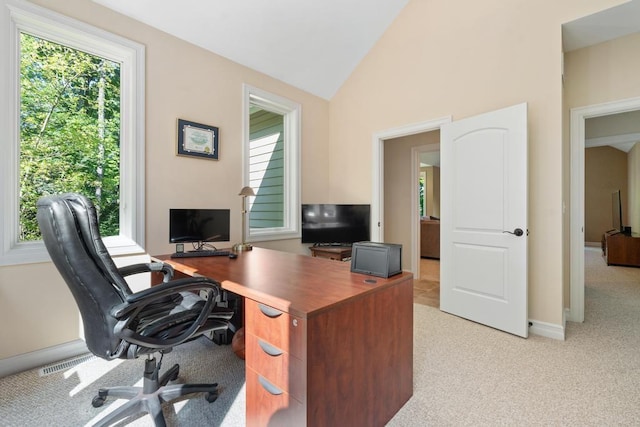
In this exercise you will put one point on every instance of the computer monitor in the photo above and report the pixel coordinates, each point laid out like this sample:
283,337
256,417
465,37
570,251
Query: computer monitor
199,226
616,211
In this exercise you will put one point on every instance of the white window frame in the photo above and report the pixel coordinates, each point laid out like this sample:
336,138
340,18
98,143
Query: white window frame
292,112
19,16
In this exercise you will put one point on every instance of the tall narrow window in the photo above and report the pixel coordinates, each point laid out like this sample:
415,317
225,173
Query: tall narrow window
73,110
266,166
69,130
271,158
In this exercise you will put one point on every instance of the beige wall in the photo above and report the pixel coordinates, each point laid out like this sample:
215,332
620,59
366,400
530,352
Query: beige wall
605,171
400,187
435,61
602,73
182,81
594,75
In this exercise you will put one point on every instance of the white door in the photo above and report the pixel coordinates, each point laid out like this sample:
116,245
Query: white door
483,256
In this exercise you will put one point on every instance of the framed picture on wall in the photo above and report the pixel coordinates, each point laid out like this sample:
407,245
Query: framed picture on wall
196,139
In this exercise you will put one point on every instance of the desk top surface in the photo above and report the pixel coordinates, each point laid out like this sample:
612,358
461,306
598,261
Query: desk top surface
298,284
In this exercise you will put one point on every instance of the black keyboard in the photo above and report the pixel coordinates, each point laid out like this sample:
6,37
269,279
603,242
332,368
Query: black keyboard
194,254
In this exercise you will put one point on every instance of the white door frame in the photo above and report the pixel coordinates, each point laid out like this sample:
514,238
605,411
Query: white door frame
578,117
377,184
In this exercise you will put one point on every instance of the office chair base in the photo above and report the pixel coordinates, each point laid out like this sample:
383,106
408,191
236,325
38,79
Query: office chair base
150,396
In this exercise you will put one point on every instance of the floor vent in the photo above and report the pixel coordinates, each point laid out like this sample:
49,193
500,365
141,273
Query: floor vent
64,365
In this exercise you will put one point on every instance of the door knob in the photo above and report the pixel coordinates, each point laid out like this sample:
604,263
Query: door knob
517,232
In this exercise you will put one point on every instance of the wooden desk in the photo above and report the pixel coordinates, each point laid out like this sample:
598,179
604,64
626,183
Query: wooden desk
341,347
339,253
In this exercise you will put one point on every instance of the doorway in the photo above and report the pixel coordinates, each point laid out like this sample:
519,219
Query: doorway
408,235
403,152
577,130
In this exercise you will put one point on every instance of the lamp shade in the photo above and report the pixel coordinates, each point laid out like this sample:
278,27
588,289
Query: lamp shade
246,191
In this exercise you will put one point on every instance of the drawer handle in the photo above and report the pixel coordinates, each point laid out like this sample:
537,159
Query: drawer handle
268,311
269,349
268,386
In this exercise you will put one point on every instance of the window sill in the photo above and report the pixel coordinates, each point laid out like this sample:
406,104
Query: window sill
35,252
272,236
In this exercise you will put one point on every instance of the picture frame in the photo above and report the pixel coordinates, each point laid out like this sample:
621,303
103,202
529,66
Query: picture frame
197,139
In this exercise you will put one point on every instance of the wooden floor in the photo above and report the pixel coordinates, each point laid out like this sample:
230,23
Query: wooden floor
426,289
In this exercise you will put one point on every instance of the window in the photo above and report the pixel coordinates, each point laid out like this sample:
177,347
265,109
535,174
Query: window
69,131
271,165
76,123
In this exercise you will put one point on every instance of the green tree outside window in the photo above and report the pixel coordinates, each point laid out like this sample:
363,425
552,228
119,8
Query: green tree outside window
69,130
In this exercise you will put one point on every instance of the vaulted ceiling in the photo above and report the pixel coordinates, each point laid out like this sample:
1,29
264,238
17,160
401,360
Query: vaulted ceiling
311,45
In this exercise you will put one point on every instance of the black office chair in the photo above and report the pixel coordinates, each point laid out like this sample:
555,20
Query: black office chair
122,324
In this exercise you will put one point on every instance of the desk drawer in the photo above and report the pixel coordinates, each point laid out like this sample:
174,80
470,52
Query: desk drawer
276,327
279,367
268,405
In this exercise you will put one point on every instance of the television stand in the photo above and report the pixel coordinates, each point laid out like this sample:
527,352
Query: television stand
339,253
621,248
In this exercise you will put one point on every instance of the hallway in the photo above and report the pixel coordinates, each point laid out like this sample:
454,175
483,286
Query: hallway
426,289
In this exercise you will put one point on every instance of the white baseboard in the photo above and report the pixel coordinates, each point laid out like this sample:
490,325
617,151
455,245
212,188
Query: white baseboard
549,330
35,359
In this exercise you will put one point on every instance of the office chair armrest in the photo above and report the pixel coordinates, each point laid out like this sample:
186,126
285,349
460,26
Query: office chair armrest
147,296
149,267
135,338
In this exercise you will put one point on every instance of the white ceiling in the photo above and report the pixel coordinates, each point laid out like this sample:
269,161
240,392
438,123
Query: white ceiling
620,131
599,27
311,45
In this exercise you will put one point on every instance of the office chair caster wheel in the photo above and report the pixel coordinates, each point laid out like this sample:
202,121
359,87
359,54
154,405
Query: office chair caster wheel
98,401
211,396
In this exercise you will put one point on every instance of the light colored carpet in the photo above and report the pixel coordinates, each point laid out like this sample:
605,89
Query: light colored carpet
465,374
64,399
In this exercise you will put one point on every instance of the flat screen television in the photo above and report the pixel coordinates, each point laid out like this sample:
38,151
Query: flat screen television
199,226
335,224
616,211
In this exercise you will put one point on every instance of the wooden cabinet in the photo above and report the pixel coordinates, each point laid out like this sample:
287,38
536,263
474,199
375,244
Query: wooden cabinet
300,370
621,249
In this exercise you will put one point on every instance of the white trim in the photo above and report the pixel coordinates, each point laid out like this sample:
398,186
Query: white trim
549,330
35,359
292,112
26,17
577,135
623,142
377,174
